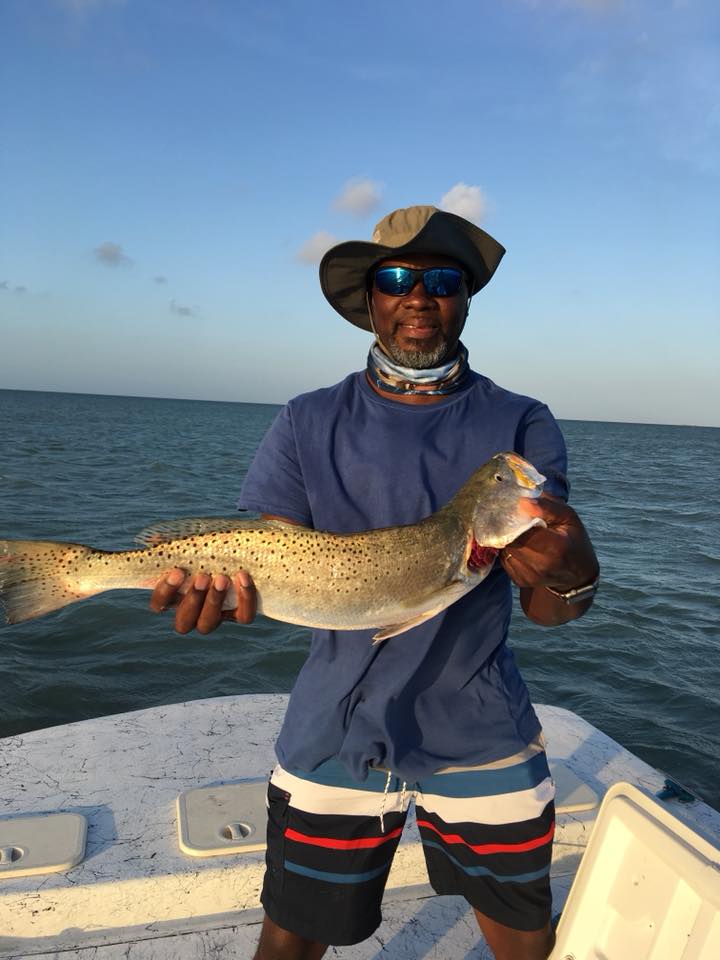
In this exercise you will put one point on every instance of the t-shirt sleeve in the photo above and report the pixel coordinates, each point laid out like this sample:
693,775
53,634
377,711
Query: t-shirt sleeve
540,440
274,483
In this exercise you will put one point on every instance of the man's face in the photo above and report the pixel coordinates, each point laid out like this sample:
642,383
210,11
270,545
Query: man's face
419,330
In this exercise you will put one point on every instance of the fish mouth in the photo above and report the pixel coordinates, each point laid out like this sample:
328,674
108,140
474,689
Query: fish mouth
525,474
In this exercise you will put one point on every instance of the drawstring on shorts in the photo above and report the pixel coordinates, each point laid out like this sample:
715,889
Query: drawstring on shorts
385,793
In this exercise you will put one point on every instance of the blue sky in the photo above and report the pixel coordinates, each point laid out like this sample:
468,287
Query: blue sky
169,172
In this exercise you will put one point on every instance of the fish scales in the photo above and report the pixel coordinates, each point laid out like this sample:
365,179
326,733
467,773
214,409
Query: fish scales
392,578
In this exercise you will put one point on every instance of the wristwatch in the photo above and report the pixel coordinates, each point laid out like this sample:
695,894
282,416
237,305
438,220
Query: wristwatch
577,594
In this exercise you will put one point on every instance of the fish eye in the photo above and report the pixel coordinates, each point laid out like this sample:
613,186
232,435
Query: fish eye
499,477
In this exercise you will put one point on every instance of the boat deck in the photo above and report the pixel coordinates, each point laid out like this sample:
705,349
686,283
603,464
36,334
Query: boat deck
136,895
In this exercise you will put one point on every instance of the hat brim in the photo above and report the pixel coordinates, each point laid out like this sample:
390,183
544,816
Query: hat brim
344,268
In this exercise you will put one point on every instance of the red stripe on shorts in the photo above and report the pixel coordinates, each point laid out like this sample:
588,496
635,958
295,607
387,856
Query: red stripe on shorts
362,843
521,847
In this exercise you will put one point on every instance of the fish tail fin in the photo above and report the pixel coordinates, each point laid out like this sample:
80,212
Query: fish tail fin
37,576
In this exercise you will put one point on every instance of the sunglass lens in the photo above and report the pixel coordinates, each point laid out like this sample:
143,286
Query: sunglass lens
442,281
394,281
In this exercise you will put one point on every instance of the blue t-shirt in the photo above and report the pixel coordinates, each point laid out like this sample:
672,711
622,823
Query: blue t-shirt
447,692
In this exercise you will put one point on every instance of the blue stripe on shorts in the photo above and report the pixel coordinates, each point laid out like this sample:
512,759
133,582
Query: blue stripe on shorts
335,877
484,872
490,783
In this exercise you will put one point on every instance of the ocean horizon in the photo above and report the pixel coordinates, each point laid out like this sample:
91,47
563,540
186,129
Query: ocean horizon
280,403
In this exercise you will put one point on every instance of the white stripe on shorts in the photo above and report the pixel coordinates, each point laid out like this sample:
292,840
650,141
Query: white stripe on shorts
317,798
502,808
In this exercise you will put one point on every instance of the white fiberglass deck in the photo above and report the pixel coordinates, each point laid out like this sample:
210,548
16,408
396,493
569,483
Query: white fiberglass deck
136,895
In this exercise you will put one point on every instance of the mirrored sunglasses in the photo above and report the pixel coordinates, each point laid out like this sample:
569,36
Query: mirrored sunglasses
438,281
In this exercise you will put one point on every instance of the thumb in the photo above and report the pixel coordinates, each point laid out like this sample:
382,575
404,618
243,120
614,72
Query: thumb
551,509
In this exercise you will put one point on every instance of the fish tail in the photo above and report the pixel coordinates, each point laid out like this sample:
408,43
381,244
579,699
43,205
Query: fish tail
37,576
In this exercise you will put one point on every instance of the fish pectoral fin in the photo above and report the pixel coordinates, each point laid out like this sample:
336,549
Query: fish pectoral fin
393,629
447,595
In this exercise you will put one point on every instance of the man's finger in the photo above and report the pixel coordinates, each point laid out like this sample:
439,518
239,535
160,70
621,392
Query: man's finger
247,597
553,510
166,591
190,607
212,609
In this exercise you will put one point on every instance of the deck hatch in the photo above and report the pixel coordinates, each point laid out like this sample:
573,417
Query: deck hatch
41,843
224,819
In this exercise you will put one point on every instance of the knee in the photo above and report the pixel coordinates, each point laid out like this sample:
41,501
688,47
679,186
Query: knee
279,944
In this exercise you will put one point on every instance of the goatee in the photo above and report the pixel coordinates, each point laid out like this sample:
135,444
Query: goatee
418,359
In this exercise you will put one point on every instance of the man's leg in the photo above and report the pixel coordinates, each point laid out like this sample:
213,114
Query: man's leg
509,944
330,846
487,834
278,944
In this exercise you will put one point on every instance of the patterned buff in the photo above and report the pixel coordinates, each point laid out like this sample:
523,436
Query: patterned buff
435,381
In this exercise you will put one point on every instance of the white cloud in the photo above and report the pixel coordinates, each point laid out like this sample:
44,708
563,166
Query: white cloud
112,254
313,249
181,310
18,288
466,201
359,196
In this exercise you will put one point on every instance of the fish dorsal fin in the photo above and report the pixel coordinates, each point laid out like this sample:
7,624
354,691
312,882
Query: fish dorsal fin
166,530
276,524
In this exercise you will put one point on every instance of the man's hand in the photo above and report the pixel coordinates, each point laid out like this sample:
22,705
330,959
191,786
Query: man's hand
199,600
559,555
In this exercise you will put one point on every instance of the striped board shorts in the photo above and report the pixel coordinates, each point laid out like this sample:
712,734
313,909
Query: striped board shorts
486,832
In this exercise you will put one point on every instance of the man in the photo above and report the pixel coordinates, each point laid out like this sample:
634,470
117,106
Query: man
439,713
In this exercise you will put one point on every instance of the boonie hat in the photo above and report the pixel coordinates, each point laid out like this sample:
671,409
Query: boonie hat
420,229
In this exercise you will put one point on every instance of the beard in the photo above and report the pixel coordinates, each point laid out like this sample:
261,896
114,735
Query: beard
418,359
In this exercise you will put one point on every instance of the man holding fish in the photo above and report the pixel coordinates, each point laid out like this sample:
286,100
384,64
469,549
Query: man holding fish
439,713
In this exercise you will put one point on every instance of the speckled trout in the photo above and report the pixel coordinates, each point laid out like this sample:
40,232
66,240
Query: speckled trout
392,578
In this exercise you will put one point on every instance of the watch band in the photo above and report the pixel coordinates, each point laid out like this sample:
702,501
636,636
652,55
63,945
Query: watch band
577,594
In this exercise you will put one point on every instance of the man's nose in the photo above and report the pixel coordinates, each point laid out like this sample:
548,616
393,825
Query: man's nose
418,293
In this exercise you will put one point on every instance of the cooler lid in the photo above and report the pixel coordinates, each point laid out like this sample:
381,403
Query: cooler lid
648,887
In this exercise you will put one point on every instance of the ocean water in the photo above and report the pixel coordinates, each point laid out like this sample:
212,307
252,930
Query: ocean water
643,664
